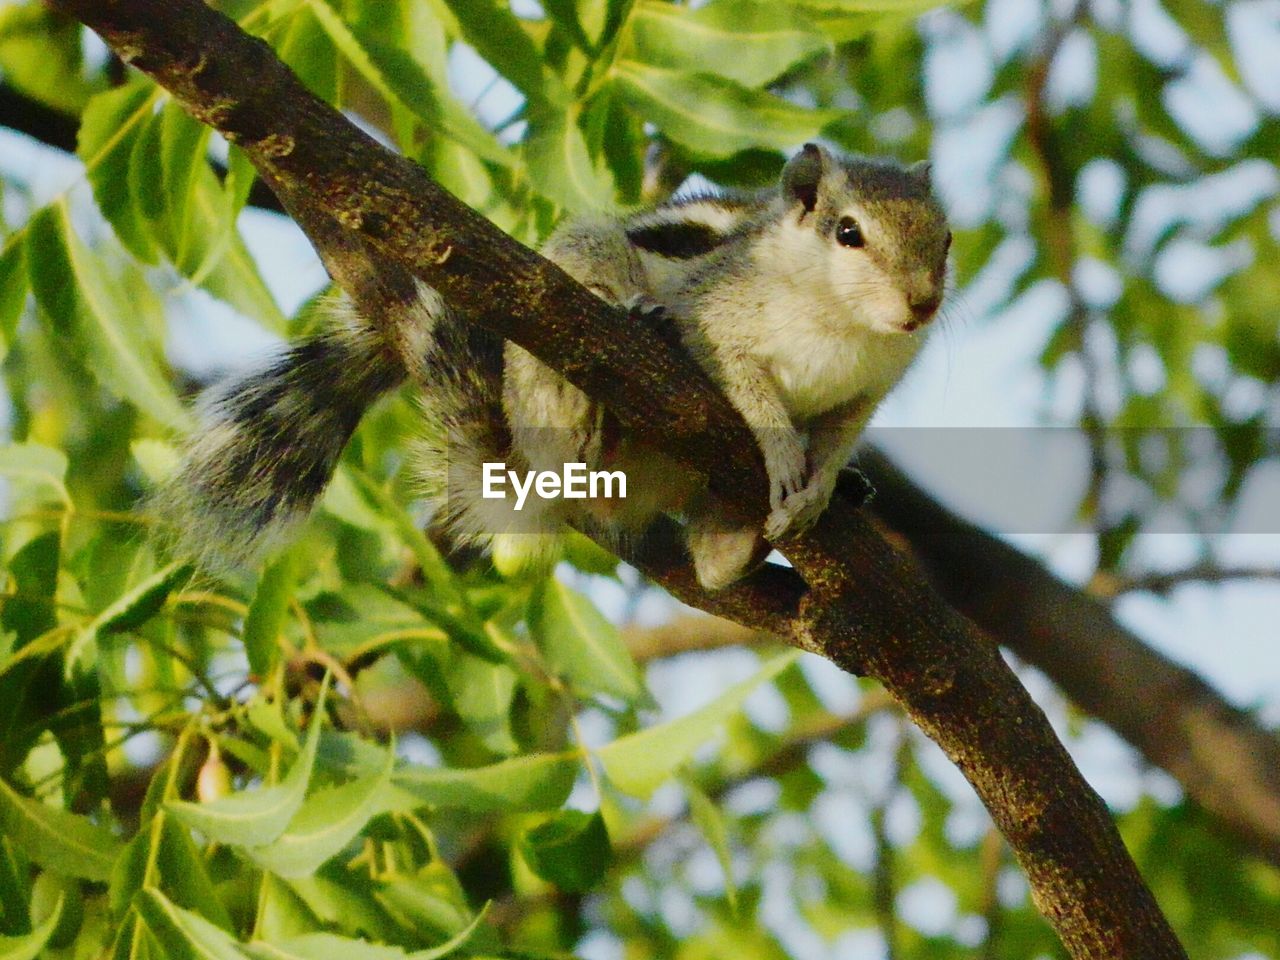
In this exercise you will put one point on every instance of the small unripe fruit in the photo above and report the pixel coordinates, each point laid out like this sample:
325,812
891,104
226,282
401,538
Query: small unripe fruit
213,782
525,554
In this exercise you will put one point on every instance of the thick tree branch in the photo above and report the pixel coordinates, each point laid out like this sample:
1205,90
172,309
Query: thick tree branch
1226,762
862,604
1223,758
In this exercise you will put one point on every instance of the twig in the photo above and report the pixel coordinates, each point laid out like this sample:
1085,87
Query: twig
1110,586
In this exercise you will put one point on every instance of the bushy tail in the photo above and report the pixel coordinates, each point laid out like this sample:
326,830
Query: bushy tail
270,440
269,443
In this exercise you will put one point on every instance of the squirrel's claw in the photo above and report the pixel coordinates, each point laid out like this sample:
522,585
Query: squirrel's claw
796,514
787,466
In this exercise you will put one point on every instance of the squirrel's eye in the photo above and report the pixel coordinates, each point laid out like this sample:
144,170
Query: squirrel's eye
849,234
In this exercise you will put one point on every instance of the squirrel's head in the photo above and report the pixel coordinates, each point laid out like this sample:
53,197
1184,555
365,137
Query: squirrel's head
872,232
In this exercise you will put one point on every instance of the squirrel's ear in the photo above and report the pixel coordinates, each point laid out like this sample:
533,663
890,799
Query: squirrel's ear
922,171
803,173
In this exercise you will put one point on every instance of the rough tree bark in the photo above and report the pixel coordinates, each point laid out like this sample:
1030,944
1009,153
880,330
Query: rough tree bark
851,597
1225,760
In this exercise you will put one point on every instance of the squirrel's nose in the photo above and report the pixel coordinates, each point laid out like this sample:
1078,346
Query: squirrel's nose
924,306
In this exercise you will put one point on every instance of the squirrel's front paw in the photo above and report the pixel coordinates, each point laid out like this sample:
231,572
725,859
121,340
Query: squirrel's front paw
787,465
642,305
797,513
654,315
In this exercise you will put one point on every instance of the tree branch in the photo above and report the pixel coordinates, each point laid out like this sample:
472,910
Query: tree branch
861,603
31,117
1108,586
1224,760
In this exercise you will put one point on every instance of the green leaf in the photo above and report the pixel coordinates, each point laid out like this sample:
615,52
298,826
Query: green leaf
89,310
641,762
497,35
109,129
146,173
482,693
357,54
410,51
569,16
257,818
715,116
29,946
132,942
281,913
535,782
41,55
56,839
184,935
13,291
131,610
184,143
220,261
615,14
267,612
460,124
341,900
189,217
706,816
890,7
1204,23
28,615
15,890
402,82
325,823
580,643
165,847
348,754
327,946
747,42
33,463
142,602
266,715
560,164
362,493
841,28
588,556
307,50
349,500
570,850
429,901
239,182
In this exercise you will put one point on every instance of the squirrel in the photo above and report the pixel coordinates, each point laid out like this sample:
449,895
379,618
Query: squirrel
805,303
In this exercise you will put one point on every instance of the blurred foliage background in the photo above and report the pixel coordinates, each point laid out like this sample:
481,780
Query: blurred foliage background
362,741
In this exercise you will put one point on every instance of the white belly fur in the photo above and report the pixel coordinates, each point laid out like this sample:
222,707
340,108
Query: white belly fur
817,372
